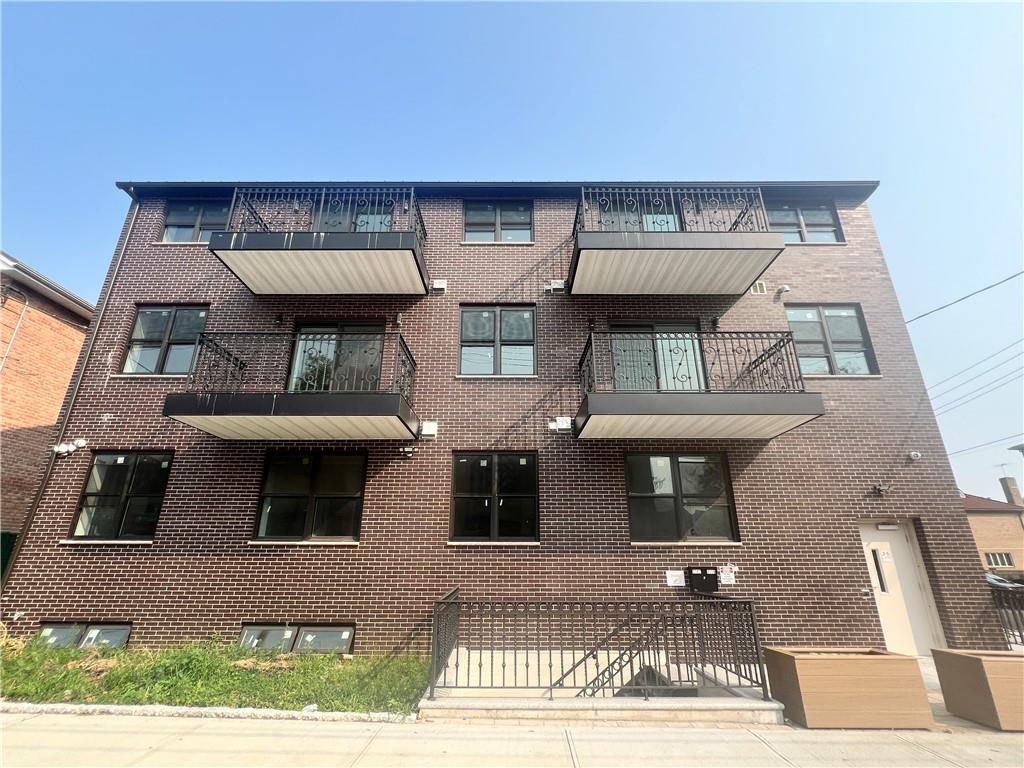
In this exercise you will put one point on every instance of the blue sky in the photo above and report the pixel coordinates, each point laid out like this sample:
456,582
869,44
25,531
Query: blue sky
925,98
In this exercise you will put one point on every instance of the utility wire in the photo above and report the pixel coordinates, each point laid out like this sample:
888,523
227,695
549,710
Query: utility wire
965,402
962,298
978,375
984,445
972,365
996,380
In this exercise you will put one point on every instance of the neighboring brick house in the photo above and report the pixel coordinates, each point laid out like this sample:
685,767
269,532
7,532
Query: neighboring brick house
42,326
605,391
998,528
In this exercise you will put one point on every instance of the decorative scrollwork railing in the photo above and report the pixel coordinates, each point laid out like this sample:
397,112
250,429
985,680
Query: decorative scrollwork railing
303,362
326,209
690,362
671,209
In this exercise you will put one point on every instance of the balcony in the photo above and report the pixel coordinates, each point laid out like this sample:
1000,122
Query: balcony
671,240
692,385
325,240
300,386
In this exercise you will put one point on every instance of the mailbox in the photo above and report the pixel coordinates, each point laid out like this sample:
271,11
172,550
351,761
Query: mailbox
702,578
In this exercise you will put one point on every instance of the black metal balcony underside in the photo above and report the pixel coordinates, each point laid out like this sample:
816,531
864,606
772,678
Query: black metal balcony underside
681,385
325,240
296,415
300,386
671,240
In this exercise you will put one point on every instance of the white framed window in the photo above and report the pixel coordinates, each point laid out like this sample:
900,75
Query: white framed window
999,559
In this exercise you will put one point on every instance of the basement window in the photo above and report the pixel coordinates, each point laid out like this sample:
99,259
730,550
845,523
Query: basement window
302,639
999,559
85,635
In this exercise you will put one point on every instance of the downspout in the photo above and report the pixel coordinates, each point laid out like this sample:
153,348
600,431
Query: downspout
75,385
14,333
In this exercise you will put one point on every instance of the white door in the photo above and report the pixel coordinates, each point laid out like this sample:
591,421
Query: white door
902,593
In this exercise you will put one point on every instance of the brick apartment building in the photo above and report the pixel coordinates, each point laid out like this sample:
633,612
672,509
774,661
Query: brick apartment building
42,327
998,528
527,391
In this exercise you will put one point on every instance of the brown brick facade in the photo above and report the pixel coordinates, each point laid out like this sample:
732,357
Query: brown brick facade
40,342
798,498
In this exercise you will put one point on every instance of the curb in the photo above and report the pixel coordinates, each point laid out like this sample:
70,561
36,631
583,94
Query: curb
228,713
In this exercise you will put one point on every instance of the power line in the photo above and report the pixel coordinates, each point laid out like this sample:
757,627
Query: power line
983,445
972,365
996,380
978,375
962,298
965,402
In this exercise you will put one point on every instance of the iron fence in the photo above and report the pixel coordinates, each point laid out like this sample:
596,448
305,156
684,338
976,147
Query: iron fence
303,362
690,362
671,209
596,649
1009,605
326,209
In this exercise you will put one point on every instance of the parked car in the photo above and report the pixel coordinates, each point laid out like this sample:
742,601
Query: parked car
996,580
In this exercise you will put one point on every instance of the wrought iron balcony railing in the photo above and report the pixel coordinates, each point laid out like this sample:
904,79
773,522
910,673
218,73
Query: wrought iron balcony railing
671,209
690,362
326,209
303,362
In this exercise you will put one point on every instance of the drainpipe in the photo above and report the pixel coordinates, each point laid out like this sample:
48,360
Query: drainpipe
14,333
75,385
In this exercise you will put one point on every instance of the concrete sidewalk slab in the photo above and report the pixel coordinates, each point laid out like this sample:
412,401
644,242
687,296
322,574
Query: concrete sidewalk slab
866,749
652,748
1000,750
449,746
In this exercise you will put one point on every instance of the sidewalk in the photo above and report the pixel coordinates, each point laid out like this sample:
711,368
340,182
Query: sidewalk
112,741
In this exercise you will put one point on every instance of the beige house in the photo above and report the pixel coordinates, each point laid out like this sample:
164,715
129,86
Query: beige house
998,528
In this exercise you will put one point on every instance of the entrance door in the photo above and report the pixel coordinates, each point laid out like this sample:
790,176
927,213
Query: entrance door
902,593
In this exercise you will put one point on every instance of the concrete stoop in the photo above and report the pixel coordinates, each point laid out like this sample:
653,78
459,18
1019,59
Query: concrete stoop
609,711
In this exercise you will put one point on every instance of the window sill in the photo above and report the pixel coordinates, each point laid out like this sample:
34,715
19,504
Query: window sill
493,543
118,542
502,243
148,375
842,376
686,543
496,376
306,543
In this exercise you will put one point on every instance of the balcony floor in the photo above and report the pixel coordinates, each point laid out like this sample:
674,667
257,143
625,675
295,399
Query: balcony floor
296,415
696,415
672,263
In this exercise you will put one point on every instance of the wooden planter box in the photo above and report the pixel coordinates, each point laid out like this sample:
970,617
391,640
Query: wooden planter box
984,686
848,688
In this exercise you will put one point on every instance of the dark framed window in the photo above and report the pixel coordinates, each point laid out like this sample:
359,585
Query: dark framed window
806,223
85,635
498,341
343,357
123,495
312,496
194,221
301,639
502,222
831,339
494,497
679,497
164,339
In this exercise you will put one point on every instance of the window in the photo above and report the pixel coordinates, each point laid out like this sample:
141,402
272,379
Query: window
312,496
192,222
123,496
805,223
831,340
85,635
498,341
164,339
337,358
263,637
676,497
494,496
503,222
999,559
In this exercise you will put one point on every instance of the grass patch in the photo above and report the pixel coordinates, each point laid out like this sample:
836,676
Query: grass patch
208,675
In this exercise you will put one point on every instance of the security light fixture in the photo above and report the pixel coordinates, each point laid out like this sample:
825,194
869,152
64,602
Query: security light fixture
69,447
880,489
